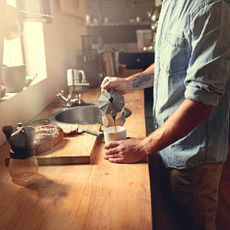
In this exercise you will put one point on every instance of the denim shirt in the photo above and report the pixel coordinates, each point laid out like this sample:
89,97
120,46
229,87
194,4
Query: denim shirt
192,59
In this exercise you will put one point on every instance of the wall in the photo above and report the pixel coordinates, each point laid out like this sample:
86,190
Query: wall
62,39
1,39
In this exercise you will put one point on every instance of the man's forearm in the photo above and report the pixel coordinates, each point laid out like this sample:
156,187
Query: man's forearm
143,79
179,124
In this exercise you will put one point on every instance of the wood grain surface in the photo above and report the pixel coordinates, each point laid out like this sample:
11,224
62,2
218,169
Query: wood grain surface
94,196
78,149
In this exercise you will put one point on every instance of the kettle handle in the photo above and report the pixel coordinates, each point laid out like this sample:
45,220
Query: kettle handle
8,130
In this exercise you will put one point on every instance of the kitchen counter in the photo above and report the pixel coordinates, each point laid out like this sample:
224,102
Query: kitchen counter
97,196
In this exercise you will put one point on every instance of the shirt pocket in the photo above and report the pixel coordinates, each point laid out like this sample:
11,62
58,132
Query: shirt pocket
174,54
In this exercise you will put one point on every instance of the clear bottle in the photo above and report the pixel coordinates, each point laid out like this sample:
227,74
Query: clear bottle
23,169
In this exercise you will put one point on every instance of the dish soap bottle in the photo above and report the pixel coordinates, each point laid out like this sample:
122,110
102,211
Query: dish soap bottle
23,165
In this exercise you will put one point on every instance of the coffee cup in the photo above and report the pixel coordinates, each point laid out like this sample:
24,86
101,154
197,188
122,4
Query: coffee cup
114,133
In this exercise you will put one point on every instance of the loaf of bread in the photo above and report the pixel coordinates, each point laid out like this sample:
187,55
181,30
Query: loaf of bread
46,137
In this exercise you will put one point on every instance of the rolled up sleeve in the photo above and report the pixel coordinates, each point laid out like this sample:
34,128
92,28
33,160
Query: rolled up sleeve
209,63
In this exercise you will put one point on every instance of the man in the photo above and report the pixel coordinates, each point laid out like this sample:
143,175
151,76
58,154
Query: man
191,104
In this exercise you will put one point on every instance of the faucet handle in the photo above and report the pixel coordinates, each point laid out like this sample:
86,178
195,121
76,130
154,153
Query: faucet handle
60,94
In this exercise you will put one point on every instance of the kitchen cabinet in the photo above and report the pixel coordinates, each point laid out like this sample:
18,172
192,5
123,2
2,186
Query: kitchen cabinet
136,59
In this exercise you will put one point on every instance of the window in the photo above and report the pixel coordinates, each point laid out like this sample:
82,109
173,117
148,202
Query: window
29,48
34,49
12,51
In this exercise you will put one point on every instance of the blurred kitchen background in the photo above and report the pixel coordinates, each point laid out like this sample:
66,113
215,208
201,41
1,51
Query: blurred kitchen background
101,37
119,36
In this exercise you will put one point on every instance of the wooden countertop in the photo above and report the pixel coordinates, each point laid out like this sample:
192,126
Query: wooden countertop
97,196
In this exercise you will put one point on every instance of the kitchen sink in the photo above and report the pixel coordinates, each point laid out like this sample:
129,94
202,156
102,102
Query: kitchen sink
88,114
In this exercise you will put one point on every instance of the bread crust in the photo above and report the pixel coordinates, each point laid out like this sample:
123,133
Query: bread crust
46,137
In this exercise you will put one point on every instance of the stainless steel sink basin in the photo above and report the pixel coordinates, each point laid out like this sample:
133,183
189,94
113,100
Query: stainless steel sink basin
89,114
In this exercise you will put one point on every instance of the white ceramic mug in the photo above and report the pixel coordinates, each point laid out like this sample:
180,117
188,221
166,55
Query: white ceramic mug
114,134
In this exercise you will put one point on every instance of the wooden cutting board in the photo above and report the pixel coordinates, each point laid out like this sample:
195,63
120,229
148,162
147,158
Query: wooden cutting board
78,149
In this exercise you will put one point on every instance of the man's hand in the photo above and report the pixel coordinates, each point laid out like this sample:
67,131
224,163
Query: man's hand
125,151
121,85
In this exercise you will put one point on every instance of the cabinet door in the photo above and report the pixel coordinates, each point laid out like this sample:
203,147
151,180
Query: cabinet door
74,7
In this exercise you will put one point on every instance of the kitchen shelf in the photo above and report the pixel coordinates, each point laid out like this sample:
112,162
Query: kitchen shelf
122,33
115,24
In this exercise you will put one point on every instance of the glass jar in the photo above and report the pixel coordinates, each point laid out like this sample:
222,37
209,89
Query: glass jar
23,165
23,169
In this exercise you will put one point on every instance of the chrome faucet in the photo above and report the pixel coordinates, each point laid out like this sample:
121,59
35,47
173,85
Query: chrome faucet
76,82
69,100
